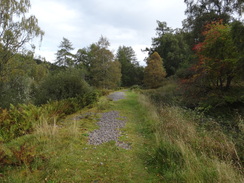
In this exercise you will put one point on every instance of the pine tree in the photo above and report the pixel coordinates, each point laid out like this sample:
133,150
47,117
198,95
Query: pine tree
64,55
154,72
132,73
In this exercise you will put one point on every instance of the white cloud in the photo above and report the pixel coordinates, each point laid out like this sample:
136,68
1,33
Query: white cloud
123,22
52,12
45,53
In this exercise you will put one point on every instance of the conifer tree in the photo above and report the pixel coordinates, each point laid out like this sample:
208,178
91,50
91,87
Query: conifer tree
64,55
154,72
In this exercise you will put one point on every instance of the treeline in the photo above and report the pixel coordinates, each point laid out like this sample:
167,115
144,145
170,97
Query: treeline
204,64
206,55
28,80
101,68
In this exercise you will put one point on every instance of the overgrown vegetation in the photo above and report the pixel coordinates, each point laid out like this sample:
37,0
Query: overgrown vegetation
21,119
189,147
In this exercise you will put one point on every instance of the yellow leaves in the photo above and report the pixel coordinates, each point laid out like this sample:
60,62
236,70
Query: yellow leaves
154,72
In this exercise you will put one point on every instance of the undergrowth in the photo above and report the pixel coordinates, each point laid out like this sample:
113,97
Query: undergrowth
20,120
185,151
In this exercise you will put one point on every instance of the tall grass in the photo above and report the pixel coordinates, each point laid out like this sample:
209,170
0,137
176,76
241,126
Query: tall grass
46,128
184,152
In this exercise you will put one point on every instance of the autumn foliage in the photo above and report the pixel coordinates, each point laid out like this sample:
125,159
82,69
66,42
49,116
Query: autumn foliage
218,57
154,72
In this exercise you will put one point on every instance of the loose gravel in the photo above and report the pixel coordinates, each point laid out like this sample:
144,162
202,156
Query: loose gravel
110,125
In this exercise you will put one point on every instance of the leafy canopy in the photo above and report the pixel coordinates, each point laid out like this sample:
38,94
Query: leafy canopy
218,56
16,29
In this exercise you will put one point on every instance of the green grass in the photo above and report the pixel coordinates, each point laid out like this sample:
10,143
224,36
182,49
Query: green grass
61,152
166,143
184,152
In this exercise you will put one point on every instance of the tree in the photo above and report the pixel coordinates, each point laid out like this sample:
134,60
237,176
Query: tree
102,69
154,71
82,57
132,73
16,29
21,75
170,45
64,56
200,13
237,34
113,75
218,57
196,7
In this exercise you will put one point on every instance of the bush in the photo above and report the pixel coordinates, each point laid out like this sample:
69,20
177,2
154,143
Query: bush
17,121
167,94
135,88
15,90
20,120
68,84
88,98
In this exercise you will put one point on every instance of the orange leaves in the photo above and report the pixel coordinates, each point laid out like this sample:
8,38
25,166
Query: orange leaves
217,57
212,27
154,72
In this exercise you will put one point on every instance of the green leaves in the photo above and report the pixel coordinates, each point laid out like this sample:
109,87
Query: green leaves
132,73
16,29
60,86
171,46
105,71
64,55
218,56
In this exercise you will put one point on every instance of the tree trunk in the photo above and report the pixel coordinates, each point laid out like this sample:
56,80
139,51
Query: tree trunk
221,83
228,82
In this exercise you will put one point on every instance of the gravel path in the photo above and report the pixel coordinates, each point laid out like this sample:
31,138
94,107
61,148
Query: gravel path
110,124
117,96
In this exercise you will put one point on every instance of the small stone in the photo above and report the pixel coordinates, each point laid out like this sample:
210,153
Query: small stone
109,124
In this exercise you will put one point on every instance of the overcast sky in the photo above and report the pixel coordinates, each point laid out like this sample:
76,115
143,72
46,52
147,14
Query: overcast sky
122,22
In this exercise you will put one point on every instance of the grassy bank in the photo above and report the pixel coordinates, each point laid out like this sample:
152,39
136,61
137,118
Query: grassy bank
184,151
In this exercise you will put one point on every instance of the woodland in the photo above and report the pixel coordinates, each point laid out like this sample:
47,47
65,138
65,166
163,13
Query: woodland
196,70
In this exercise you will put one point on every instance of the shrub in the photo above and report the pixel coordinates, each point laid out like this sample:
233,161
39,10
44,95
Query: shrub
135,88
20,120
167,94
17,121
15,90
68,84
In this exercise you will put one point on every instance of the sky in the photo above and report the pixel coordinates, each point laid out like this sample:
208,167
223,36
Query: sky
122,22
